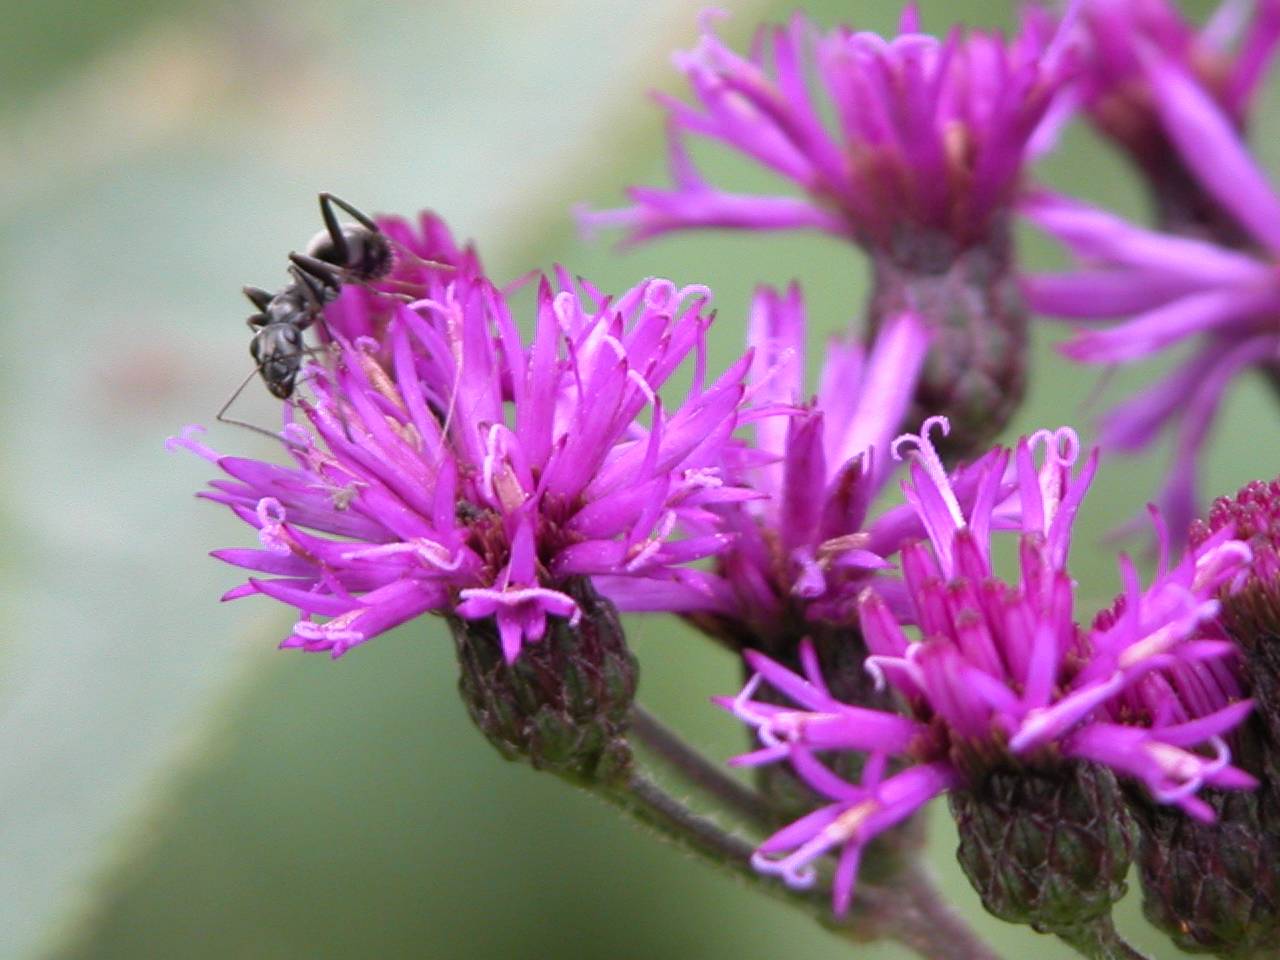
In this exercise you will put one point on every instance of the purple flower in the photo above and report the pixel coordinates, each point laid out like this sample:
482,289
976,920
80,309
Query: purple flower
1175,290
1116,90
1000,671
803,549
1213,887
449,466
1227,58
876,133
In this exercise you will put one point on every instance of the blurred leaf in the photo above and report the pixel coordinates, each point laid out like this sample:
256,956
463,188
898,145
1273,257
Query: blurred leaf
346,809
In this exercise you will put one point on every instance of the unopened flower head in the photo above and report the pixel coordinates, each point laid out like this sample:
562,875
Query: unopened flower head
1227,58
1000,675
451,466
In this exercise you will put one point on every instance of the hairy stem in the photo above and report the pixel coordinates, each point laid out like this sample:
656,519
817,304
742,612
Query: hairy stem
1099,941
929,925
912,914
698,771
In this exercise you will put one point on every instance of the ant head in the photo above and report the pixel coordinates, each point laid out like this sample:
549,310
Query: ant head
278,352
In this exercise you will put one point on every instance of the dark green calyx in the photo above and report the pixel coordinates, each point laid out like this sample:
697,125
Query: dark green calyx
975,371
1215,887
563,705
1048,847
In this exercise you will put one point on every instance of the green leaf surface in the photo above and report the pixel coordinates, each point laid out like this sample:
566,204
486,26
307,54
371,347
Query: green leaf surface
170,786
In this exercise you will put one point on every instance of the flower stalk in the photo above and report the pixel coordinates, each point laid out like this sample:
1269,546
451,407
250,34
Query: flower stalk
911,912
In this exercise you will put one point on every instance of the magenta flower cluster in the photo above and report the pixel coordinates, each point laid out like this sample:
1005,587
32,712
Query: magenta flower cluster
994,666
495,454
1216,291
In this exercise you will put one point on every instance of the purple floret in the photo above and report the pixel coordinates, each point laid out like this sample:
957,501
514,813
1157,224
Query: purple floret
1228,57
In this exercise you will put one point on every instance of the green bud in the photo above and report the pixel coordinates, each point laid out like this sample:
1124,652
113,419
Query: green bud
1048,847
563,706
1214,887
975,371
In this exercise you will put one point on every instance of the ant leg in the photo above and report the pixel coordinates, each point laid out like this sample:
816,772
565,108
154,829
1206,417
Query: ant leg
258,297
415,290
335,229
317,268
327,199
319,286
306,282
337,407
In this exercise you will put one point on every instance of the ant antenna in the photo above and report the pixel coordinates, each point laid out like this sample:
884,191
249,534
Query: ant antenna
223,418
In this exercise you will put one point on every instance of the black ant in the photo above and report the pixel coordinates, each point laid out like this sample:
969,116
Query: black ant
341,253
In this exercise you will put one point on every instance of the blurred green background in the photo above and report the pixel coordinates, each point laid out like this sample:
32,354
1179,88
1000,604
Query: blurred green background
170,785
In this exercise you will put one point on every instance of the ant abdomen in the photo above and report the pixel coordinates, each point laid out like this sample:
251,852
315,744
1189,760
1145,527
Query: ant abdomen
363,254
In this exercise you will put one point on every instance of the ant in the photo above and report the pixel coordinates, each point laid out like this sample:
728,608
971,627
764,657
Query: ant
340,253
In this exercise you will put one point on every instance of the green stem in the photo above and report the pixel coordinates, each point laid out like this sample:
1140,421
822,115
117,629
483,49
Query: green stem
700,772
936,931
1099,941
911,914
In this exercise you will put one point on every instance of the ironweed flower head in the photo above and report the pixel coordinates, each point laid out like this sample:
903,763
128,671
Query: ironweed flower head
1001,678
803,550
1211,886
452,466
928,133
912,147
1227,57
1216,886
1175,291
1251,614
